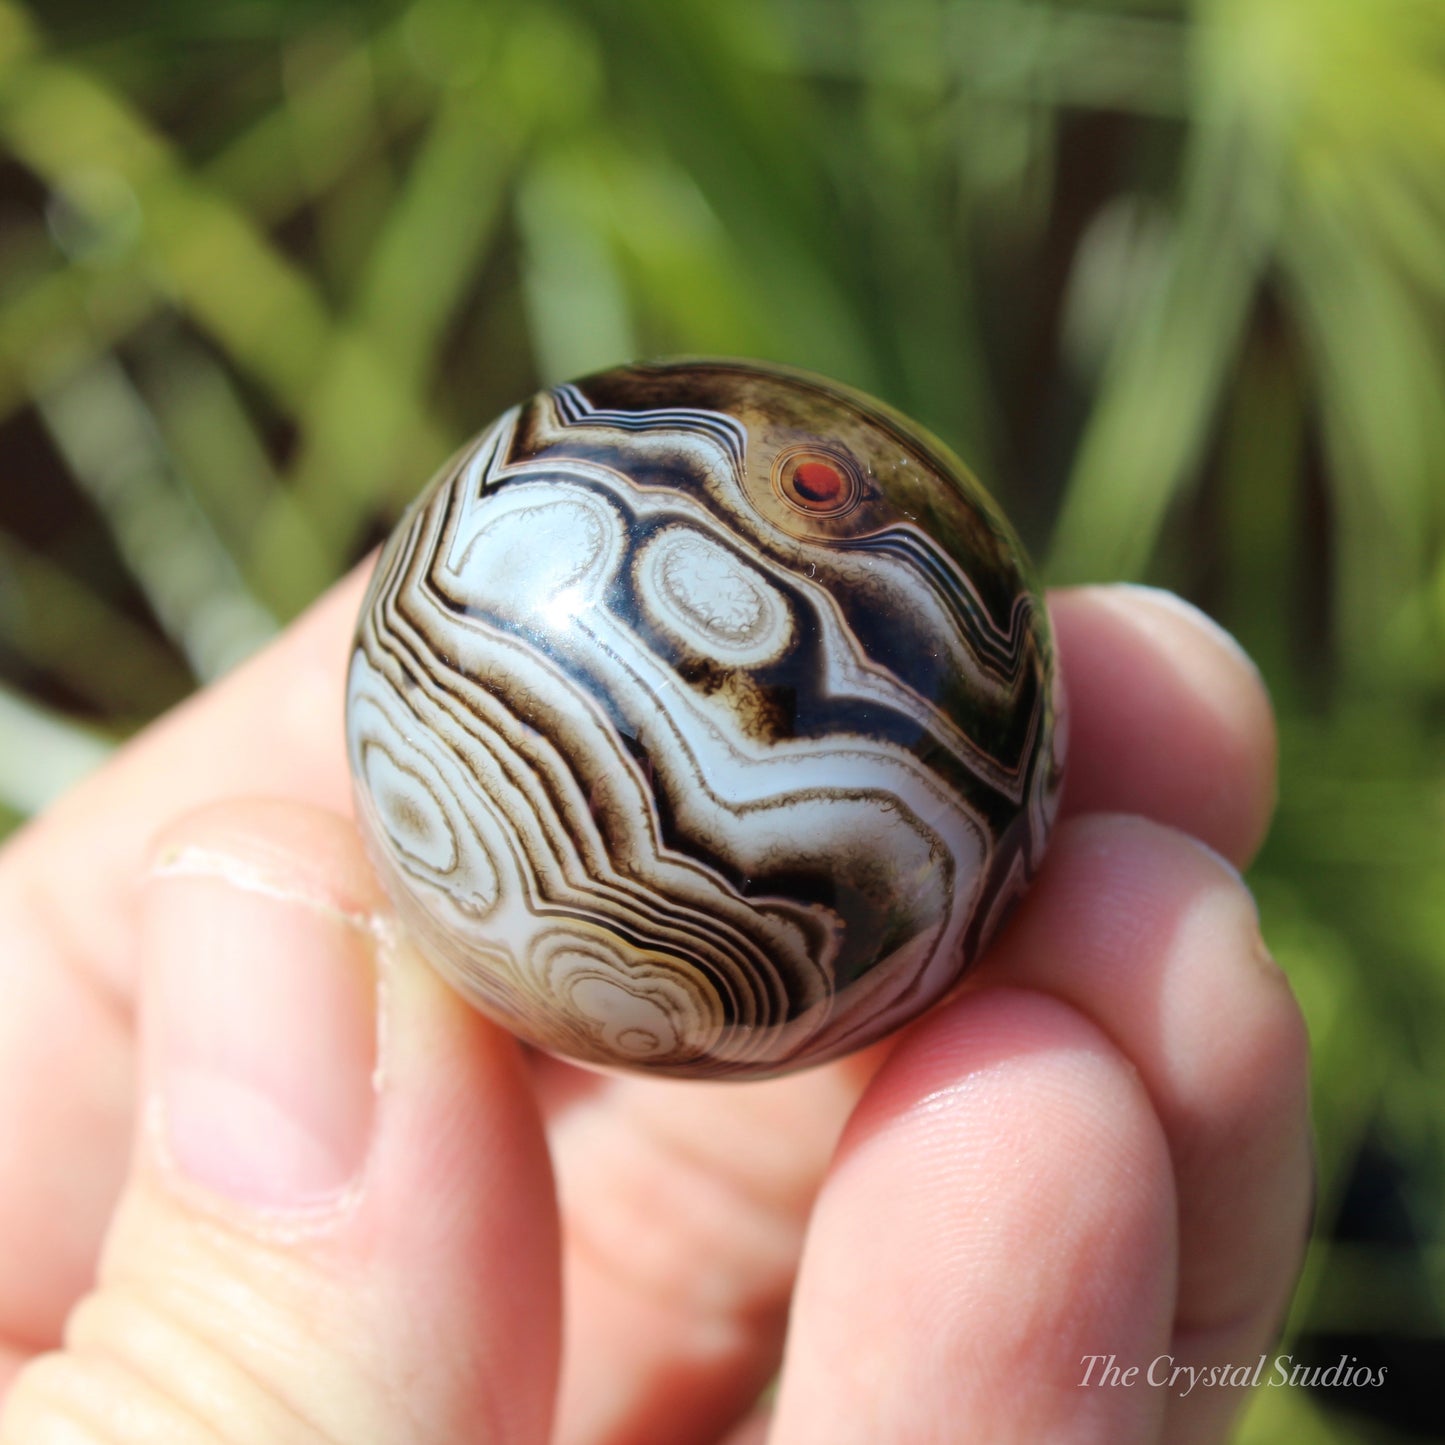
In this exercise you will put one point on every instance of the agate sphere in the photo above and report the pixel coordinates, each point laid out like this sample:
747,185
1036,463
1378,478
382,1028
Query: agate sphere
703,719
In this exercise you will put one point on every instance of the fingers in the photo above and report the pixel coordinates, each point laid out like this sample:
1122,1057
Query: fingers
684,1207
1167,717
740,1168
67,959
1157,942
990,1151
1002,1207
340,1222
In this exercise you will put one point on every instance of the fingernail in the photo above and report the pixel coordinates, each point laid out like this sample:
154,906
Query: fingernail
260,1034
1240,892
1225,865
1185,611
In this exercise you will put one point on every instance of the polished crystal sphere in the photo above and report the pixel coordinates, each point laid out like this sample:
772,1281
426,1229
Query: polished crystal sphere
703,720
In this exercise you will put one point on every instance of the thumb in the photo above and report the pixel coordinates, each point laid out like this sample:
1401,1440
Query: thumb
339,1224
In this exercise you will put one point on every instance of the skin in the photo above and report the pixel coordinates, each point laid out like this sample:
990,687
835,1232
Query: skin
1100,1145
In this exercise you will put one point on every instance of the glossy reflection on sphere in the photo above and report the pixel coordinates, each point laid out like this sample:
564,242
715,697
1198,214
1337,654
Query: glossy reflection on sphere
703,720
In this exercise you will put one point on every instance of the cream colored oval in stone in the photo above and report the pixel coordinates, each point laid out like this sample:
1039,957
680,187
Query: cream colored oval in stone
711,600
415,824
543,557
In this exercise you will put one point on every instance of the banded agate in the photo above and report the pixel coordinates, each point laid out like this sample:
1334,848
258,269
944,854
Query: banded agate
703,720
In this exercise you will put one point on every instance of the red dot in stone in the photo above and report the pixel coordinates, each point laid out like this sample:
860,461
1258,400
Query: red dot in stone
818,482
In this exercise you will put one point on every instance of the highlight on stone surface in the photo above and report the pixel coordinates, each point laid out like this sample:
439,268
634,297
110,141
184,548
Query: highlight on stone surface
703,720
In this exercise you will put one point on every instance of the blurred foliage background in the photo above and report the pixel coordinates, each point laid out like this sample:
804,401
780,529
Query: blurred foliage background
1170,273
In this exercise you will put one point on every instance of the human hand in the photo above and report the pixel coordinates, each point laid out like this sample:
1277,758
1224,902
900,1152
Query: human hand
279,1184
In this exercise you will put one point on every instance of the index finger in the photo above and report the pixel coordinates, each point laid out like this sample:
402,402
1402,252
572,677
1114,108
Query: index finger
273,727
1169,718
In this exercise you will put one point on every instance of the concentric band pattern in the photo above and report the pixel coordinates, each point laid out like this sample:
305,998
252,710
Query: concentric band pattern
702,720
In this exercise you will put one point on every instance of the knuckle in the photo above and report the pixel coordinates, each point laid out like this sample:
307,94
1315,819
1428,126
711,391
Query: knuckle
131,1372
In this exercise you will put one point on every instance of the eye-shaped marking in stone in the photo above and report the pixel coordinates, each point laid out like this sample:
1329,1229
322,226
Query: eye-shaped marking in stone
817,481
